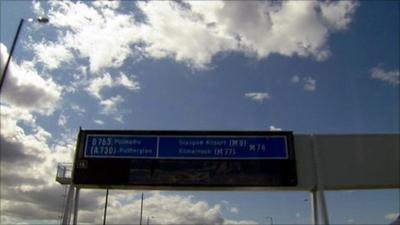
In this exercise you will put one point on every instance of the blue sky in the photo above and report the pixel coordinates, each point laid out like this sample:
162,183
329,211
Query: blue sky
308,67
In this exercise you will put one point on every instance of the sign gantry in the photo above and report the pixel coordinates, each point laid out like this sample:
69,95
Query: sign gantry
198,159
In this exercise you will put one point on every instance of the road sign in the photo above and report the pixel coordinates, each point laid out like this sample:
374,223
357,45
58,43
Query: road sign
193,159
186,147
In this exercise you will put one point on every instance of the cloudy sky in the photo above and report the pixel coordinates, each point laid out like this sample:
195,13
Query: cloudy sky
304,66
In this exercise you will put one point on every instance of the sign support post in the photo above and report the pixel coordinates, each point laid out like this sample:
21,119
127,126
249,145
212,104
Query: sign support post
67,209
314,208
320,187
76,205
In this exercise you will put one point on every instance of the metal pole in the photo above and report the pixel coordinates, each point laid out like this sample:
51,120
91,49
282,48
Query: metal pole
148,220
141,210
105,208
314,207
320,187
76,205
3,76
67,209
63,204
324,210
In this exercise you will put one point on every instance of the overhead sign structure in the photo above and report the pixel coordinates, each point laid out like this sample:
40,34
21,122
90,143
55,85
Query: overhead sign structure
184,158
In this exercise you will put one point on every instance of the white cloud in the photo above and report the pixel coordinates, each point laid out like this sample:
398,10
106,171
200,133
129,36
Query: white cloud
174,31
242,222
19,143
124,207
119,118
391,216
51,54
295,79
194,32
261,28
79,78
287,28
106,3
37,9
225,202
273,128
391,77
110,106
97,84
23,115
62,120
350,221
258,96
28,163
25,88
310,84
234,210
98,33
169,209
338,13
99,122
124,81
77,109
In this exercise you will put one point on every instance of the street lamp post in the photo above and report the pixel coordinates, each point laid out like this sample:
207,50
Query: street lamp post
141,211
270,219
148,219
21,22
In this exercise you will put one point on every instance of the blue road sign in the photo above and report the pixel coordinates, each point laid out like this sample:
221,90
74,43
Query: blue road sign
121,146
186,147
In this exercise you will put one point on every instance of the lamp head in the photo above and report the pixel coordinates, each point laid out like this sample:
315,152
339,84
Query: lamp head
42,19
